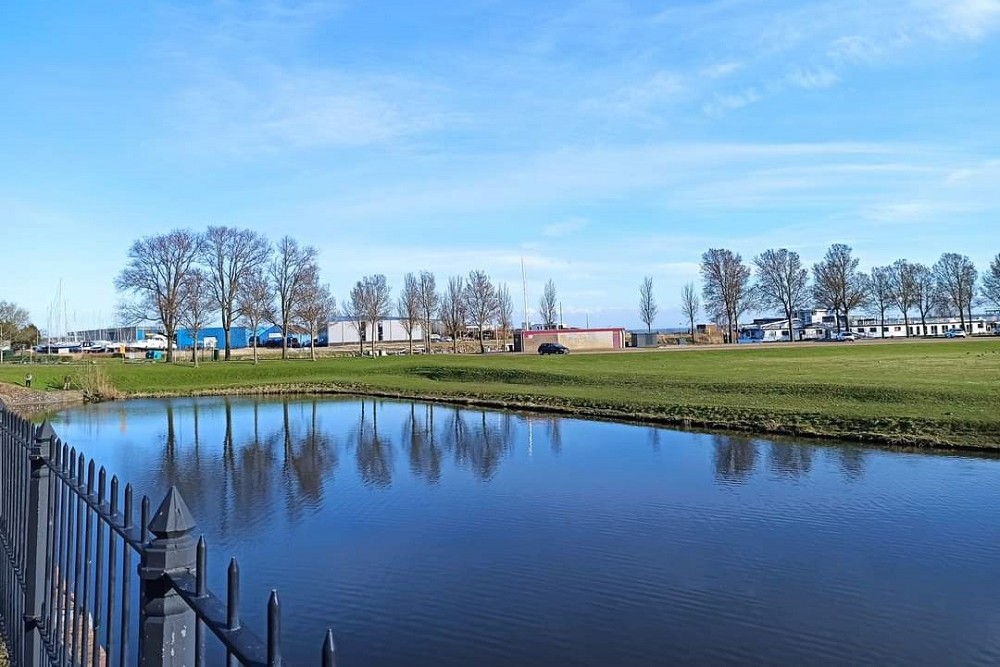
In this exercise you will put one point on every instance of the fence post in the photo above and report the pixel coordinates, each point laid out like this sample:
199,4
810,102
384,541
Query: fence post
168,624
37,545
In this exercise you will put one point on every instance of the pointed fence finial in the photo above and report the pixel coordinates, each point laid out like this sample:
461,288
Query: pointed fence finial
45,432
172,517
329,651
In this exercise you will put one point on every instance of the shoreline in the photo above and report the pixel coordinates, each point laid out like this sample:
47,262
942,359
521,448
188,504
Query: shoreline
683,417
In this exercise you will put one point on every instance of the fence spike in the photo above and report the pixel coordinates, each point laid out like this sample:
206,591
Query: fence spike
273,630
91,471
128,506
233,596
329,651
201,571
102,484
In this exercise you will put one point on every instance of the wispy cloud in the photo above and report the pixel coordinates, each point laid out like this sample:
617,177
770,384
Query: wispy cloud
565,228
643,98
813,79
272,108
719,70
723,103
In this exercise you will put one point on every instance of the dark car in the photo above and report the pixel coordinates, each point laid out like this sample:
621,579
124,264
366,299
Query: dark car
552,348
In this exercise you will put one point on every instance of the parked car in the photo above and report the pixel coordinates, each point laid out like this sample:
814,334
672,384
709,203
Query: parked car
552,348
954,333
276,342
847,337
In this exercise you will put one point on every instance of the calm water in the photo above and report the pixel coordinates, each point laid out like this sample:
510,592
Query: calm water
430,535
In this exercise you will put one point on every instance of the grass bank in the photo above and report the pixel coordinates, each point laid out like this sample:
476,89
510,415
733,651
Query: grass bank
928,393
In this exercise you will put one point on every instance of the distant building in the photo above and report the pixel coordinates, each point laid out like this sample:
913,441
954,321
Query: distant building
342,331
575,339
127,334
895,327
643,339
215,338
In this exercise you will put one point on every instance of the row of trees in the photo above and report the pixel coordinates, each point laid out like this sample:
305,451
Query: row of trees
777,281
189,279
225,274
474,300
16,328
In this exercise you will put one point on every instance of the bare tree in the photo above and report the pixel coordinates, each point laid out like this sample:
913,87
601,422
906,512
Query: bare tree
481,303
505,311
315,307
647,303
548,305
196,303
408,306
255,303
956,277
837,283
928,296
13,320
991,283
157,266
291,265
355,309
430,301
231,255
376,303
905,289
782,283
453,312
690,306
726,286
880,292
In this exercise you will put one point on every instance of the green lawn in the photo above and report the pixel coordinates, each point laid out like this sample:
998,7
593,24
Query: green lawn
919,393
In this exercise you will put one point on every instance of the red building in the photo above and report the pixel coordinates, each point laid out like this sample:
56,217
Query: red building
575,339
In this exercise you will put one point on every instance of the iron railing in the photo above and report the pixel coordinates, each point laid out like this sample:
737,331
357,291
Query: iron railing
70,591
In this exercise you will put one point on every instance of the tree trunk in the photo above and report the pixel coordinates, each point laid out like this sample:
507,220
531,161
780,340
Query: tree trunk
409,334
373,338
482,345
227,334
906,324
882,325
284,342
313,335
254,350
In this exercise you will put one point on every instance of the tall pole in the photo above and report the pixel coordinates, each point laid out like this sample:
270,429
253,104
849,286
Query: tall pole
524,291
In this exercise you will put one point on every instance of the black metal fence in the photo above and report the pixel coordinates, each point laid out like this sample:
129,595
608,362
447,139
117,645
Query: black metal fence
70,591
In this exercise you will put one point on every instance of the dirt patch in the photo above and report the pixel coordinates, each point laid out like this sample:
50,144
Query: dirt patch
30,401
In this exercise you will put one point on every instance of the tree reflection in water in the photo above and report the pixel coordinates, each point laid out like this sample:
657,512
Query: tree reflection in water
373,454
790,460
242,458
735,458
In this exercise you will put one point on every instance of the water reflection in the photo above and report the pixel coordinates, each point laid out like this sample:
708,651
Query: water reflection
247,457
735,458
436,535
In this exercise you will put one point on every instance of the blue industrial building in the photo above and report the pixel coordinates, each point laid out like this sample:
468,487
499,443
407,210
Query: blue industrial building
239,338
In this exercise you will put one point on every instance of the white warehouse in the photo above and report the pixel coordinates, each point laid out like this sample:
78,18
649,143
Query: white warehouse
342,331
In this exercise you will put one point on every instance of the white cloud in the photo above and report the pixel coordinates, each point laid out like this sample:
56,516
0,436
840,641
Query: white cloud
565,228
812,79
641,98
970,19
721,69
722,104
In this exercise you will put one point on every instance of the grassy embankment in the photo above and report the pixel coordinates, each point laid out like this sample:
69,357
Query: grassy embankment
941,393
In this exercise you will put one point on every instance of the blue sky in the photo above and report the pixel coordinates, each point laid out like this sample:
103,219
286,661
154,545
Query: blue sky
599,140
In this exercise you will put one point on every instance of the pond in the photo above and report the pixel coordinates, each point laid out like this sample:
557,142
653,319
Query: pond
435,535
